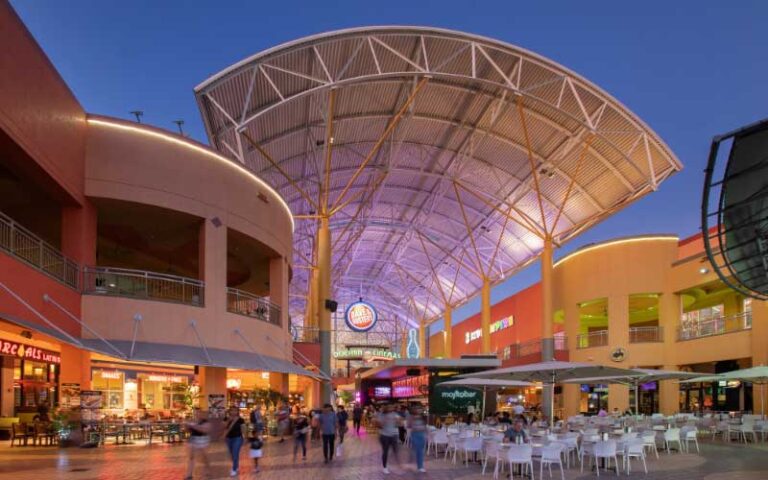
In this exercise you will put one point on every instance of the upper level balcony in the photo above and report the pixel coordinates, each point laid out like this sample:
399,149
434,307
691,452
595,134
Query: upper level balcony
142,284
532,347
597,338
30,248
715,326
250,305
649,334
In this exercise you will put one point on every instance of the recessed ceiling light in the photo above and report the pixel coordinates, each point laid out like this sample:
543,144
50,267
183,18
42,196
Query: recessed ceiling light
703,270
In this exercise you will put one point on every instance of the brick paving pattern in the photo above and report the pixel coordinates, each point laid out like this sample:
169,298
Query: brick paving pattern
360,461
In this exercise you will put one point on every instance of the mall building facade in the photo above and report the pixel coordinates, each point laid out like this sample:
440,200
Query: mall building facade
133,261
646,302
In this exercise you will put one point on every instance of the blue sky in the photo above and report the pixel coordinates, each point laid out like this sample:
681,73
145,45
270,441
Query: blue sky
690,69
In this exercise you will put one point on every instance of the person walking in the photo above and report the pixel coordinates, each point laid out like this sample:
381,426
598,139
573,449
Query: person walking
199,440
257,421
401,431
300,431
343,417
417,422
255,450
328,425
388,422
357,418
234,438
283,420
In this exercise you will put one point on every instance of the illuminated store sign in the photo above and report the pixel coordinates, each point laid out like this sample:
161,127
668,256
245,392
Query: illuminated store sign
159,377
361,316
496,326
367,354
28,352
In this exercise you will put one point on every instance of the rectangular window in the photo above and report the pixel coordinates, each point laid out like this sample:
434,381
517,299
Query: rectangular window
111,384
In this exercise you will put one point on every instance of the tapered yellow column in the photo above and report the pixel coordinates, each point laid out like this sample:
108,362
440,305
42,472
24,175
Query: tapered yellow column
485,314
547,313
323,314
448,329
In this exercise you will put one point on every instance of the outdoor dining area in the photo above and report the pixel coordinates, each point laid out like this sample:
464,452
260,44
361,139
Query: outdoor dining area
610,442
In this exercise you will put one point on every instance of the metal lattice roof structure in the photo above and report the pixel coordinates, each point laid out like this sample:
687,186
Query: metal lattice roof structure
451,156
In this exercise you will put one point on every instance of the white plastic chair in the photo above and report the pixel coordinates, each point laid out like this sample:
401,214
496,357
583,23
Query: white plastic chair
454,443
635,448
747,429
587,450
671,436
471,445
520,455
606,450
688,435
492,452
439,438
552,453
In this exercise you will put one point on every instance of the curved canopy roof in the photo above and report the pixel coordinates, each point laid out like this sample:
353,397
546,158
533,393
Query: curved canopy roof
449,156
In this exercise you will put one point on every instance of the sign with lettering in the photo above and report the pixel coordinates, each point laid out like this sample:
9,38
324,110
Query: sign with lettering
496,326
28,352
361,316
367,354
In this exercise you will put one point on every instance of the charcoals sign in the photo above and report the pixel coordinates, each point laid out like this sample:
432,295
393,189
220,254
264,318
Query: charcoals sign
361,316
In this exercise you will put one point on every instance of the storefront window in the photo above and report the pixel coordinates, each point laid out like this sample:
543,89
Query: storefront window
162,392
34,384
111,384
594,398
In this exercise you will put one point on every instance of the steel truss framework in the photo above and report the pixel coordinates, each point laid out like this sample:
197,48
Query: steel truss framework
442,159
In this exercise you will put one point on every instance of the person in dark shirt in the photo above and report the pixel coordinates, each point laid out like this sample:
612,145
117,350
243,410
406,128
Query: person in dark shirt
357,418
234,438
343,417
300,431
516,433
505,419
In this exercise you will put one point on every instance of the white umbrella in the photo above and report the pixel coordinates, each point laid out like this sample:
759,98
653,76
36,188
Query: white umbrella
485,384
758,375
550,373
637,377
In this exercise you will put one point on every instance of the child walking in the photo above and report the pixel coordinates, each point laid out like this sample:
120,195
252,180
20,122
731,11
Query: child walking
255,450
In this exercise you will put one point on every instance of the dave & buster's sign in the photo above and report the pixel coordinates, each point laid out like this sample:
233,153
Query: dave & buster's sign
361,316
16,349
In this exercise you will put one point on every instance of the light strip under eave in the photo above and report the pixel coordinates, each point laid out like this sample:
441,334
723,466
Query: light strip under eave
210,153
611,243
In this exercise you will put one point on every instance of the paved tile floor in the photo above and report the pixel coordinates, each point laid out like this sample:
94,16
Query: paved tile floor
360,461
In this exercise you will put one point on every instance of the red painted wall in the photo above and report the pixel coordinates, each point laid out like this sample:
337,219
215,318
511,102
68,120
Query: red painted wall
31,285
526,308
39,113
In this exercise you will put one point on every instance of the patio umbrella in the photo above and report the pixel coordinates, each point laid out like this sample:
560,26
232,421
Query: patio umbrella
485,384
758,375
550,373
639,376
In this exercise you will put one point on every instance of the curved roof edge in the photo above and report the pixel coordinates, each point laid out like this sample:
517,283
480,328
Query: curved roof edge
436,30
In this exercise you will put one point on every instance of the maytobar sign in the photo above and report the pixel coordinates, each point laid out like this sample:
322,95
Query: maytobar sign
453,399
366,354
496,326
28,352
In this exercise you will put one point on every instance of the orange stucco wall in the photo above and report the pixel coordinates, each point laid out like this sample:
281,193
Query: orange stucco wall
39,113
31,285
525,306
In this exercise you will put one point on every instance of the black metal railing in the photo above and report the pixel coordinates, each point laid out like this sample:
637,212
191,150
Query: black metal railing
250,305
36,252
125,282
